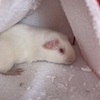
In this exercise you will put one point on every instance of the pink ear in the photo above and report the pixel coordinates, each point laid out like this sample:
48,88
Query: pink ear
51,44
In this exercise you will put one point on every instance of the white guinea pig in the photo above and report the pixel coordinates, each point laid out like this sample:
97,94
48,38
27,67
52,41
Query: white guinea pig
24,43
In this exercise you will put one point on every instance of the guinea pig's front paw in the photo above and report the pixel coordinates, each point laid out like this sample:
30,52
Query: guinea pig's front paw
17,71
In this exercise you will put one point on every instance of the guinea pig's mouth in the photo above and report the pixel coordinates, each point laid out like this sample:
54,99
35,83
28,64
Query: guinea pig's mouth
69,63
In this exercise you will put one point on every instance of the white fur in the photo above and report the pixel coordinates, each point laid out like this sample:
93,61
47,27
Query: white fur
23,43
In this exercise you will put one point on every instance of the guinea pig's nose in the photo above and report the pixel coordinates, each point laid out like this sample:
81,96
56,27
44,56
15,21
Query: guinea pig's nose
70,60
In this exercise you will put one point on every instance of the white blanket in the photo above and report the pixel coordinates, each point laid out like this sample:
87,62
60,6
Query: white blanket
12,11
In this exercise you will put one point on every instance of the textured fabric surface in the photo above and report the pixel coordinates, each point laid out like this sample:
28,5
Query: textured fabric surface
48,81
49,15
12,11
84,18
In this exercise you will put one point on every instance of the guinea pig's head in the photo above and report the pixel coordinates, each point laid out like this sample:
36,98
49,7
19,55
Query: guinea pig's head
58,50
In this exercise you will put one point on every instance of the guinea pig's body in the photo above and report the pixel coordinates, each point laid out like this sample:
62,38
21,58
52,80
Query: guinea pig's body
23,43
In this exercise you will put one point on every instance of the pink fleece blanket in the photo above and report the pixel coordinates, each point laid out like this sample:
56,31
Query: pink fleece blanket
84,19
